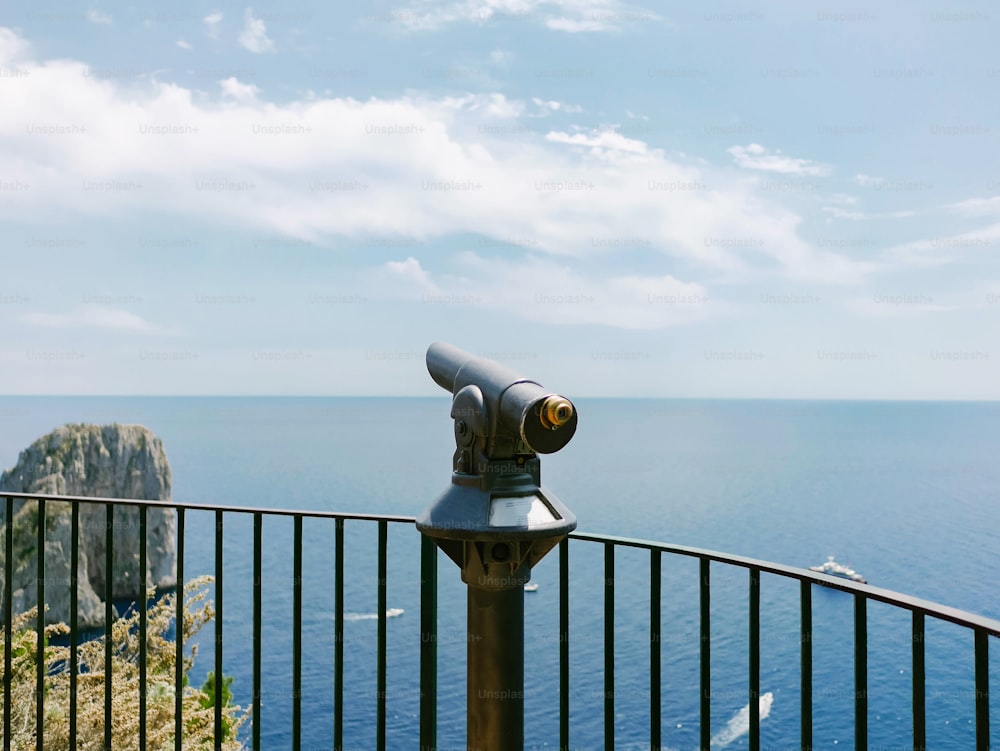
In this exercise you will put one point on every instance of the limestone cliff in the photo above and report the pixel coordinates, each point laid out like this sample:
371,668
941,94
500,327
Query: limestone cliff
110,461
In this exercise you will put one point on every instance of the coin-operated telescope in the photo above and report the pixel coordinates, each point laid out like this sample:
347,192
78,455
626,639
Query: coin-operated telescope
495,522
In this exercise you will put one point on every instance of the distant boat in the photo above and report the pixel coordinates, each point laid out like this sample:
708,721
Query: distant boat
833,568
394,612
531,587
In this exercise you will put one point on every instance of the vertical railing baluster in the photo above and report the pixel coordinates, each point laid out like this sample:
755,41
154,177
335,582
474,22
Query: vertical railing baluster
806,664
919,690
338,647
142,627
383,531
754,637
258,522
705,726
655,586
428,644
982,641
564,645
219,681
109,615
179,674
860,672
8,617
609,646
297,635
74,599
40,633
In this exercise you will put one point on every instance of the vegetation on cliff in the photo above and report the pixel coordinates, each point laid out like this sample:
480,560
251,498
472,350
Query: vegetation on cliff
198,705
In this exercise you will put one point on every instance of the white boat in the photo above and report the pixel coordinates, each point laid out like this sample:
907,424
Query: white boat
531,587
833,568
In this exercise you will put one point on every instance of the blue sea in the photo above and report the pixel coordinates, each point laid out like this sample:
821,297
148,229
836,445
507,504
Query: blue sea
908,493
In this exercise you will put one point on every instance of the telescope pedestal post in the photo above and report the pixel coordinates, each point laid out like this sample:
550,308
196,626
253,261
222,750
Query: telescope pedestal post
495,670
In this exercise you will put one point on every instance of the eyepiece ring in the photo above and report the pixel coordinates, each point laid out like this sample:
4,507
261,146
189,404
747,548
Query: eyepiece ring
555,411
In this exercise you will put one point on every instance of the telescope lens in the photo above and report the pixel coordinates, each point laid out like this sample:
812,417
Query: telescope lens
556,411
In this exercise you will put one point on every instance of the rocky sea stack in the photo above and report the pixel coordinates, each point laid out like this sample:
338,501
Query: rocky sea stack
107,461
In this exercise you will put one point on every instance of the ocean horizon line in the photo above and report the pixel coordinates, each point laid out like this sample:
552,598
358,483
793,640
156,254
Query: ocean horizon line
589,397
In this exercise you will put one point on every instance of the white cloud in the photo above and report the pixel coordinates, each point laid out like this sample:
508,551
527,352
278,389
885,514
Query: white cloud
12,46
839,213
96,16
603,140
757,157
544,291
95,317
572,16
183,45
324,169
234,89
501,57
254,37
977,206
497,105
578,25
867,180
412,275
843,198
940,251
212,21
547,106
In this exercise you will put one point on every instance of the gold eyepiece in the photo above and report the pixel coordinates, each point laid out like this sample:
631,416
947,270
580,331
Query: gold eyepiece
555,412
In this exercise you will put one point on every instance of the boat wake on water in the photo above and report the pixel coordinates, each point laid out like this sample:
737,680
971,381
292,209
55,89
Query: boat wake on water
739,724
390,613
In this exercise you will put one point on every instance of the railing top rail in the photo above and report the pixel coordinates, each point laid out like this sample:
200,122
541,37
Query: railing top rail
891,597
943,612
212,507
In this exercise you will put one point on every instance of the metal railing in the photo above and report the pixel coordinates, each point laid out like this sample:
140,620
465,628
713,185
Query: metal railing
981,629
428,618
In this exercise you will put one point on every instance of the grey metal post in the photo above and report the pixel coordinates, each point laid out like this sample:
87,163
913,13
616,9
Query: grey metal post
496,669
495,522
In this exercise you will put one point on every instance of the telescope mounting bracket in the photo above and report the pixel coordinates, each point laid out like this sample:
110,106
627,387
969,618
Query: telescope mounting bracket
484,447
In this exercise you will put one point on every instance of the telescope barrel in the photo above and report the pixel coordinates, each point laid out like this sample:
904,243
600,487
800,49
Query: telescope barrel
453,369
443,363
545,421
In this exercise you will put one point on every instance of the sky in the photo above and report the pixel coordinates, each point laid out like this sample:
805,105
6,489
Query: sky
710,200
